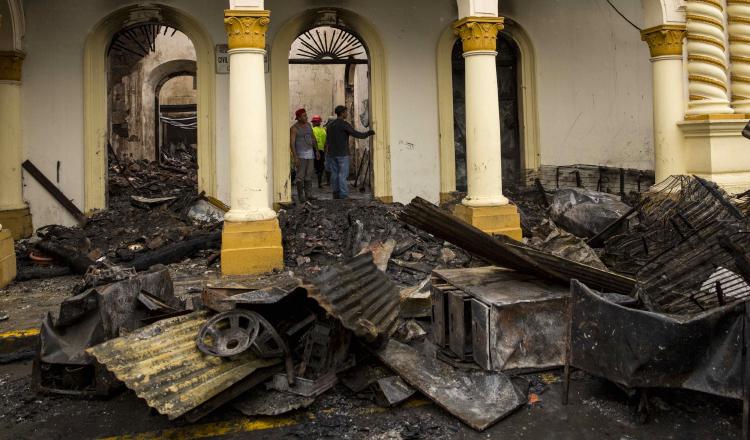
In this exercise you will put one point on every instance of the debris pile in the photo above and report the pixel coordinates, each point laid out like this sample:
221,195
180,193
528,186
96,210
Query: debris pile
331,231
151,220
392,301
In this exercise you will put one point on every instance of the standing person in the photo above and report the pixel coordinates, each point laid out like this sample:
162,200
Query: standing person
304,151
320,137
338,151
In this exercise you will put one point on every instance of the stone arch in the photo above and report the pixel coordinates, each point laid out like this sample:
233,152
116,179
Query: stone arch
658,12
156,80
14,25
282,42
95,96
530,157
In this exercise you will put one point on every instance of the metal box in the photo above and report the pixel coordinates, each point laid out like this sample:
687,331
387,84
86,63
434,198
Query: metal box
509,321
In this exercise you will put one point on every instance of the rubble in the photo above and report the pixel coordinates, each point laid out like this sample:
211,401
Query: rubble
162,364
89,318
331,231
584,212
363,276
478,398
146,223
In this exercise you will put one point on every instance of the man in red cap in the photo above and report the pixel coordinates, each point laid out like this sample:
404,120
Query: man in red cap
320,137
304,150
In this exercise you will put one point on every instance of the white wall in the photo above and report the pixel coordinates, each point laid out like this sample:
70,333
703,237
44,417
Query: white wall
593,85
593,82
53,94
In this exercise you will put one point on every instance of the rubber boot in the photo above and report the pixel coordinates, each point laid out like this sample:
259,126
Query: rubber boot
320,180
300,193
309,190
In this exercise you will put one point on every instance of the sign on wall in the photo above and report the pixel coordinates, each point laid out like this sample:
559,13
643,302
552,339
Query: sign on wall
222,58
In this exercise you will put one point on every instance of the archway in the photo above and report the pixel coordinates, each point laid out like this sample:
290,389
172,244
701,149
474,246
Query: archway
289,31
328,67
528,134
160,76
95,95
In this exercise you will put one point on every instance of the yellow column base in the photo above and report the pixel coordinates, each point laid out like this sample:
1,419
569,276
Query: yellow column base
18,221
7,258
251,248
496,220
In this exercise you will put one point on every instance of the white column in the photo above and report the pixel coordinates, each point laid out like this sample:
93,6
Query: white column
11,151
250,183
738,18
707,59
665,44
483,163
248,138
668,110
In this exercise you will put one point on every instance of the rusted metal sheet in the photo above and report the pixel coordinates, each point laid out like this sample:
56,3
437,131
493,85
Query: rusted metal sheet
226,293
162,364
362,297
507,252
478,398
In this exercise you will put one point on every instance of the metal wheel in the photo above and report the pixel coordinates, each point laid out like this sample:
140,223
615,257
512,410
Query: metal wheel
228,333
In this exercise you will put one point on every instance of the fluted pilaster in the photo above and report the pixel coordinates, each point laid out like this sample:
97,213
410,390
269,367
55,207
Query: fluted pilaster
707,60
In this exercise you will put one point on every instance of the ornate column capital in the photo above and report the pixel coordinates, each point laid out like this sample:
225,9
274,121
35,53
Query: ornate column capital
246,29
479,33
10,65
665,39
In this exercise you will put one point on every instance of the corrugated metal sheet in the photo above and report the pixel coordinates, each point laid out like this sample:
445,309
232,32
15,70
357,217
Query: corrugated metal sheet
506,252
162,364
361,296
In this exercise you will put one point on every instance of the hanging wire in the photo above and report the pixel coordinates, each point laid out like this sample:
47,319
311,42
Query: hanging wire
623,15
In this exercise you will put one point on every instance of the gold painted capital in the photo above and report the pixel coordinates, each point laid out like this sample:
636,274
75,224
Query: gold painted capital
10,65
664,40
246,29
479,33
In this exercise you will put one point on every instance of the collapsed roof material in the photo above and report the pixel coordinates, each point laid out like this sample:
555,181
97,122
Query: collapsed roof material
507,252
361,296
162,364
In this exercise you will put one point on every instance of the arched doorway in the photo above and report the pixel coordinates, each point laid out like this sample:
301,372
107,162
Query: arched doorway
174,106
328,67
507,63
280,99
526,100
95,71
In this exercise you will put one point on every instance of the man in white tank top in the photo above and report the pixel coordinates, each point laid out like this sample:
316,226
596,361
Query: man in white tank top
303,147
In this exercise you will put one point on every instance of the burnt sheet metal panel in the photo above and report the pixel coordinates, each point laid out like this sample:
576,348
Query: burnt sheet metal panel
362,297
528,336
525,329
641,349
480,334
478,398
162,364
439,314
459,324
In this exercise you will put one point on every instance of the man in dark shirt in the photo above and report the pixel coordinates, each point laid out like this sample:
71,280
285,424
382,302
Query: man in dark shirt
337,148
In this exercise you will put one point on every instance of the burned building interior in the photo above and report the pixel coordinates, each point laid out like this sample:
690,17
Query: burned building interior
526,219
